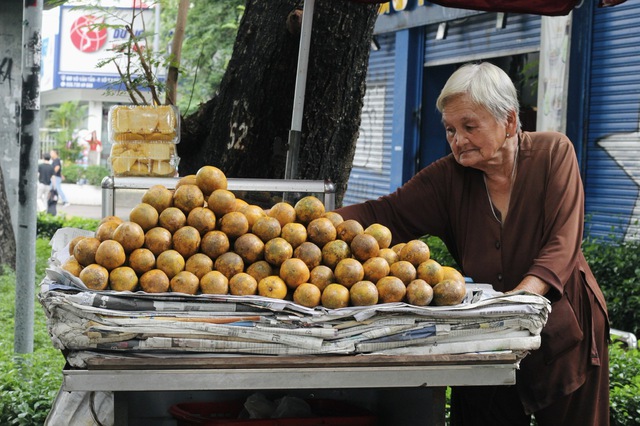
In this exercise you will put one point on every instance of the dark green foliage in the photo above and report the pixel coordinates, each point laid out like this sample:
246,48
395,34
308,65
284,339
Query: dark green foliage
30,381
439,251
48,225
616,266
73,173
624,374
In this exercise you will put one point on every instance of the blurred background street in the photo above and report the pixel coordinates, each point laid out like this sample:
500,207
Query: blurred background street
86,201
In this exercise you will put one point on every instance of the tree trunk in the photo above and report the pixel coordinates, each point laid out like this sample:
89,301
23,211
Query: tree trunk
7,237
244,128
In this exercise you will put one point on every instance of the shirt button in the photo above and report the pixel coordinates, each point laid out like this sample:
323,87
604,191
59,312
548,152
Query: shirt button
499,277
498,245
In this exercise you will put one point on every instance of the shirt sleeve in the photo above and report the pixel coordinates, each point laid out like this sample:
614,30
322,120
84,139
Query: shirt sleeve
561,238
415,209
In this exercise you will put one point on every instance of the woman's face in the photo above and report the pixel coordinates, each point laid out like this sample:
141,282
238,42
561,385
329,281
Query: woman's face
474,135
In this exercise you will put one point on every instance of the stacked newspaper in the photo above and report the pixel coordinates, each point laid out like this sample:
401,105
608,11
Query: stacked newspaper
83,320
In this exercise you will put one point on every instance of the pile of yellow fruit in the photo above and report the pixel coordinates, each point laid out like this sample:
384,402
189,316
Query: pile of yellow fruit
201,238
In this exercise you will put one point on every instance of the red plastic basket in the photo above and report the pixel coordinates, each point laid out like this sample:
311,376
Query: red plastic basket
327,412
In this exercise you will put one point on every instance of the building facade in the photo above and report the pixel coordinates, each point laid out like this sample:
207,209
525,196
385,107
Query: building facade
577,74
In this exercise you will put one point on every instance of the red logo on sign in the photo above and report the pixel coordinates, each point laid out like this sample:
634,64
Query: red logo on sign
86,35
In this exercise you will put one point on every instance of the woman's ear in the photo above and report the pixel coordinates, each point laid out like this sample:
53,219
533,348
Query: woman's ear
511,126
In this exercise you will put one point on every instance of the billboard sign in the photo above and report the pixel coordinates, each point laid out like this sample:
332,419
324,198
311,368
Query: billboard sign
82,43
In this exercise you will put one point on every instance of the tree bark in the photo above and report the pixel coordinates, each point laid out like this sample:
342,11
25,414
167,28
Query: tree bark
244,128
7,237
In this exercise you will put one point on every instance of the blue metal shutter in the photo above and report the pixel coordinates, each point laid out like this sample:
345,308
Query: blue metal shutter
476,37
370,175
612,172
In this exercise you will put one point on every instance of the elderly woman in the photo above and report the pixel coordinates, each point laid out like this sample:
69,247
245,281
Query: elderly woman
509,206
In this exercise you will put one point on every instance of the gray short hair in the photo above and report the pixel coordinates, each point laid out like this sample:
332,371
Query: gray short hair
487,86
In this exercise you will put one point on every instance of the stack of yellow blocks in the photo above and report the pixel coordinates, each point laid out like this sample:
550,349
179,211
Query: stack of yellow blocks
144,140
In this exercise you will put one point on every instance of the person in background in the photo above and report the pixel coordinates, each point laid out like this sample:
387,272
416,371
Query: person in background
45,174
58,176
509,205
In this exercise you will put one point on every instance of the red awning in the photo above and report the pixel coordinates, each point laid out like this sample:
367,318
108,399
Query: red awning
537,7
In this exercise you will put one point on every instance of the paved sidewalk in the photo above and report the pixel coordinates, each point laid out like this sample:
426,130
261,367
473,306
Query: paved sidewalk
86,201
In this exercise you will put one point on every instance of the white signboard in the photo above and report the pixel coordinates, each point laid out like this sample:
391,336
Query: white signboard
83,44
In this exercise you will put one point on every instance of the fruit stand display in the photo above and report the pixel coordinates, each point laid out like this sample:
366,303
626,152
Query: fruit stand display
196,275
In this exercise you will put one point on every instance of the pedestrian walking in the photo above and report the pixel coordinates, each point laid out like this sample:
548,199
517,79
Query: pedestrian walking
58,177
45,175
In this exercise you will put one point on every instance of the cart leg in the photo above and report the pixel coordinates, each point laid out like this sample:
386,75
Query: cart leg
120,409
439,405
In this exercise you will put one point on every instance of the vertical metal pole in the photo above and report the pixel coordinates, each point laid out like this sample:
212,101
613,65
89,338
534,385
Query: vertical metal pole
29,141
291,167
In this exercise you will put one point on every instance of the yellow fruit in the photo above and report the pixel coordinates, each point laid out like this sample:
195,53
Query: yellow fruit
144,215
159,197
294,233
186,180
320,231
364,246
157,240
381,233
107,219
415,252
221,202
272,286
185,282
284,212
214,282
110,254
142,260
229,264
266,228
451,273
172,219
186,241
199,264
335,296
260,270
105,230
170,262
391,289
234,224
85,250
123,278
277,251
214,244
389,255
308,208
253,213
334,251
249,247
348,229
398,248
348,272
154,281
294,272
130,235
449,292
309,253
74,241
307,295
430,271
72,266
403,270
363,293
203,219
210,178
95,277
321,276
334,217
375,268
419,293
243,284
187,198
